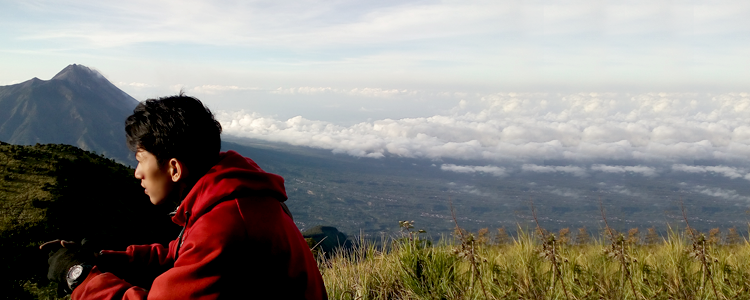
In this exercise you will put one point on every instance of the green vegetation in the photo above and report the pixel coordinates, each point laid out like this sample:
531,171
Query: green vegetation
541,265
59,191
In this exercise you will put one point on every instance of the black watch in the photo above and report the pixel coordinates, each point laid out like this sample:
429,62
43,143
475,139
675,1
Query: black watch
76,275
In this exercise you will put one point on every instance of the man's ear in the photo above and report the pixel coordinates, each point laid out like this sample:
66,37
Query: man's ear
177,170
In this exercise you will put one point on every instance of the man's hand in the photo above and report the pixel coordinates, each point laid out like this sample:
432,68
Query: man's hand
65,254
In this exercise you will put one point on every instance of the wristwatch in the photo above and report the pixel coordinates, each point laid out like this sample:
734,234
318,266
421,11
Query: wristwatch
76,275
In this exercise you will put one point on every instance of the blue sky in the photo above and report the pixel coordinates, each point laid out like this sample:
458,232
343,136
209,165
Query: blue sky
492,80
444,46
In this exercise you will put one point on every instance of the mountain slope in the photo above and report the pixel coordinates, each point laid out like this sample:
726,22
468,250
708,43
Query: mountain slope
78,106
60,191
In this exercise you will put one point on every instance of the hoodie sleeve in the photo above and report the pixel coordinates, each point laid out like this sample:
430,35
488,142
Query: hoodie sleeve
100,285
142,262
200,271
140,257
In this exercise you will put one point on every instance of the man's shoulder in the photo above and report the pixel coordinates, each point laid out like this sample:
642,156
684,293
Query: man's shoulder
223,219
257,217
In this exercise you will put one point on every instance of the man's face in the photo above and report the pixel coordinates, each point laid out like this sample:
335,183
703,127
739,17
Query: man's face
155,179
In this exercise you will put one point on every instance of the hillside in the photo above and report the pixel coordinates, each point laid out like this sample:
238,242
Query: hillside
60,191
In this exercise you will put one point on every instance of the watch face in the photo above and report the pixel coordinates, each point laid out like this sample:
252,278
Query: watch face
75,272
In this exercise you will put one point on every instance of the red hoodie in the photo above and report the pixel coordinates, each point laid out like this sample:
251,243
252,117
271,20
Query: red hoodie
237,243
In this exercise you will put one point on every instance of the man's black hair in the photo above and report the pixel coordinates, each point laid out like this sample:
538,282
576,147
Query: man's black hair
178,127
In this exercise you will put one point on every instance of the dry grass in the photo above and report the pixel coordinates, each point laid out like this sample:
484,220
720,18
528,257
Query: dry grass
411,267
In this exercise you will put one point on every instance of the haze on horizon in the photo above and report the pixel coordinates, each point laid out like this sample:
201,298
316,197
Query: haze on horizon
507,83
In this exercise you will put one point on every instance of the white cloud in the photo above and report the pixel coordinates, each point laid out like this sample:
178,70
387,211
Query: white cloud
725,171
294,23
565,192
364,109
525,128
306,90
492,170
134,84
212,89
642,170
12,82
333,22
366,92
378,92
519,43
576,171
720,193
470,189
625,191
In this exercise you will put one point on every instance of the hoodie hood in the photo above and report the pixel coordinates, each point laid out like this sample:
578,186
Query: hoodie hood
234,176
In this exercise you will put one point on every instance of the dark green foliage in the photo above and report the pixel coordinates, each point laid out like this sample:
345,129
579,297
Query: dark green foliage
61,192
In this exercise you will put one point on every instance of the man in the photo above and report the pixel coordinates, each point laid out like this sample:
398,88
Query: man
238,239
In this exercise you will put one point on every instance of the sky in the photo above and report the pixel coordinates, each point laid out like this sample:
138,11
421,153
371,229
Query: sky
496,82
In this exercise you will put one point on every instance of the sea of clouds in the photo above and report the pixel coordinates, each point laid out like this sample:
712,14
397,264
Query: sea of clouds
644,134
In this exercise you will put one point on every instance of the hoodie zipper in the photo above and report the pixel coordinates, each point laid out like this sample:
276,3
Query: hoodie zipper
180,237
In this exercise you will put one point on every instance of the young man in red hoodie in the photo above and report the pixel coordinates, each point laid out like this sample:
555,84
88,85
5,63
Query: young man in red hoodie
238,239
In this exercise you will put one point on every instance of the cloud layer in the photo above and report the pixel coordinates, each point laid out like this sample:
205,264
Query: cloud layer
726,171
532,128
585,171
489,169
642,170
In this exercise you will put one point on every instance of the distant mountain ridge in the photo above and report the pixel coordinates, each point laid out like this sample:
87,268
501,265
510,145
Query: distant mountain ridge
78,106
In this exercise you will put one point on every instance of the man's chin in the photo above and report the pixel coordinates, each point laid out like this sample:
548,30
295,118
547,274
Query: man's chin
158,201
155,201
169,202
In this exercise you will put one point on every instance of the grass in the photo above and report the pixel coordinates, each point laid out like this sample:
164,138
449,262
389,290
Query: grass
412,267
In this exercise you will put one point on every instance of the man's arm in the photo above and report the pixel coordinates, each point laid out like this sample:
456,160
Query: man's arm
138,264
126,274
203,263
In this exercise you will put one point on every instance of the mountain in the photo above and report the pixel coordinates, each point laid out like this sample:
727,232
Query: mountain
78,106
